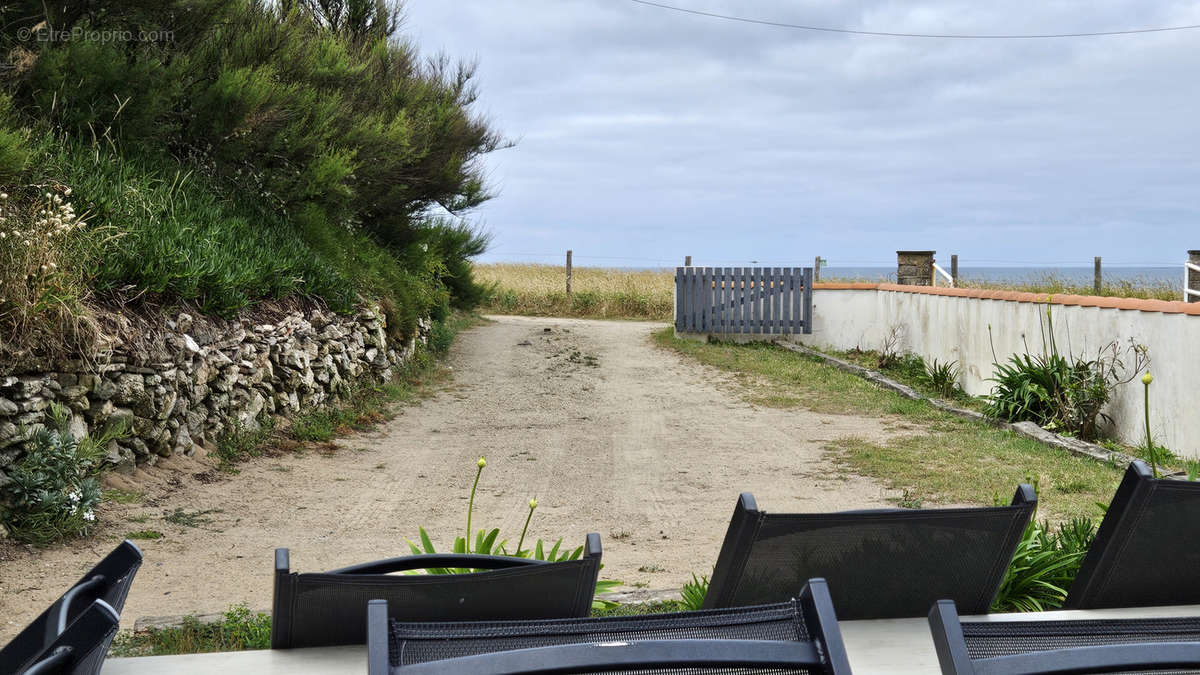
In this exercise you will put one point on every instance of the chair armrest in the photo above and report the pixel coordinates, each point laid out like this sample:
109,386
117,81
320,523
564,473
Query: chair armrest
420,562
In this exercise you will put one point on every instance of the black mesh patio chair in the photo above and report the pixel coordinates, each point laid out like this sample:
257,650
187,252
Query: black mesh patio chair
325,609
1073,646
107,582
798,636
1145,552
880,564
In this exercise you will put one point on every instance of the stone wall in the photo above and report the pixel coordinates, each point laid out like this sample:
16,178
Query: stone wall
196,379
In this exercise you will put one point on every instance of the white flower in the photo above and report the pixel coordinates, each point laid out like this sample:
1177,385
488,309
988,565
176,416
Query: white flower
3,235
3,195
74,496
89,515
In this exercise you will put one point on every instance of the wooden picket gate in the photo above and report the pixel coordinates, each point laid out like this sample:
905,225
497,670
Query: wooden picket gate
743,300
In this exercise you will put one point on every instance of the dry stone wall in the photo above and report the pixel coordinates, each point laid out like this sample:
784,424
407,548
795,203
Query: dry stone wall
198,379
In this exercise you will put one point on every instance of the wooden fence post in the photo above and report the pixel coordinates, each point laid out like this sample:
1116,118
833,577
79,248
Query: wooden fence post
687,261
817,270
1193,277
568,272
954,269
1097,283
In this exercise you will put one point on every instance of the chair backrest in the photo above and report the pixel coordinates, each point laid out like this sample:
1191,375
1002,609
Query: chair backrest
108,581
1145,552
1073,646
81,648
798,636
880,564
315,610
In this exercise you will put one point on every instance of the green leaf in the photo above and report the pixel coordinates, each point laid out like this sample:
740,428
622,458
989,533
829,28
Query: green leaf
488,541
460,545
426,542
411,545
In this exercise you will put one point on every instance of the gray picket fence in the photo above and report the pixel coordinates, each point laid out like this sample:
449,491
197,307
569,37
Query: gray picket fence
743,300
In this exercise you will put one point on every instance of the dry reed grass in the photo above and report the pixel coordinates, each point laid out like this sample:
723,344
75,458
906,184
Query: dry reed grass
597,292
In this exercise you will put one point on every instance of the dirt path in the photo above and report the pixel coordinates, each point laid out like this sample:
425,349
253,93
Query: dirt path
610,433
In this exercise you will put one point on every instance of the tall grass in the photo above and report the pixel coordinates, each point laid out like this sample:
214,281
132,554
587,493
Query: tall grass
597,292
1053,284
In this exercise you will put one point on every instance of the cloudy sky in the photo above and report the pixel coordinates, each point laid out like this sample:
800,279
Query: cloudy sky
644,134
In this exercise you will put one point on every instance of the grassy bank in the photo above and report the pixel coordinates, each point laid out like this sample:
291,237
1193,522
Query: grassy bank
597,292
936,457
260,151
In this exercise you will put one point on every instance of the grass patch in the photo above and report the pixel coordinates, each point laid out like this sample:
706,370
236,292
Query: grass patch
364,408
239,629
660,607
910,370
144,534
118,496
239,443
185,518
942,458
597,292
797,379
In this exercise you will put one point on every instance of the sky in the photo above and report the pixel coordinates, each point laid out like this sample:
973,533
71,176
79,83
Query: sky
643,135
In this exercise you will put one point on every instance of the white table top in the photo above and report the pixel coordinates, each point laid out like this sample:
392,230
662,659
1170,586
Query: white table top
877,647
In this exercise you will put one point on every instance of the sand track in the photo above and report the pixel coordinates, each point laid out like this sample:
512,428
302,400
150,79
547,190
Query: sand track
612,435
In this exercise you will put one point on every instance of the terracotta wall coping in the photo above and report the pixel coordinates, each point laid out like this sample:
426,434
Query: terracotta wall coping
1139,304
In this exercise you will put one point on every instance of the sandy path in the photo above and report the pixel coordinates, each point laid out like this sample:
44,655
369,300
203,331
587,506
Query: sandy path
610,433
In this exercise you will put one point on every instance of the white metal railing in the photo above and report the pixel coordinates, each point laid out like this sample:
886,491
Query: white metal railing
1186,290
938,268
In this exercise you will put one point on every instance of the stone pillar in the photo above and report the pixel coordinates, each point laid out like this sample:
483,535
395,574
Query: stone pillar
914,268
1193,277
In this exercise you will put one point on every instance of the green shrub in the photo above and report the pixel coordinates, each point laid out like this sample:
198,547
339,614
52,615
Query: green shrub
1062,392
54,493
943,377
694,592
258,151
1027,387
1044,565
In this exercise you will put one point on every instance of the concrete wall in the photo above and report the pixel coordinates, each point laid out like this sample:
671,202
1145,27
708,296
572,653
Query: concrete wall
953,324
